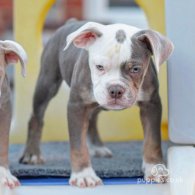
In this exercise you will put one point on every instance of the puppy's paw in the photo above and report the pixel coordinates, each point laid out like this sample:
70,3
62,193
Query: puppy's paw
100,151
7,179
31,158
85,178
155,172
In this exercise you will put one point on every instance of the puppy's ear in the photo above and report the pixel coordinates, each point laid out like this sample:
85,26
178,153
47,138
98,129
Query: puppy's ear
160,46
85,36
14,52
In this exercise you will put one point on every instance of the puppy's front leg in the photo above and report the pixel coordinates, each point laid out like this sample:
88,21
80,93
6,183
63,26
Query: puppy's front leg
6,178
83,174
150,112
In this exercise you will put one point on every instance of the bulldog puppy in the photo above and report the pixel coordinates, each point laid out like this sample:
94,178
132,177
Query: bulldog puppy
107,67
10,52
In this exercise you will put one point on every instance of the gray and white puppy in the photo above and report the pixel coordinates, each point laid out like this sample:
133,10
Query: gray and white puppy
10,52
107,67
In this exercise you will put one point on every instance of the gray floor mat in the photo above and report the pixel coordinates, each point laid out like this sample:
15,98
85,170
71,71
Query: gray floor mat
126,161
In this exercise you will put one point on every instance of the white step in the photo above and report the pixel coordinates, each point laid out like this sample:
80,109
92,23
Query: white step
152,189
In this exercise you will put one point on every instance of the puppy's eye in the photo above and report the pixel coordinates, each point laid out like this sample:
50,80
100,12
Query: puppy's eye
135,69
100,67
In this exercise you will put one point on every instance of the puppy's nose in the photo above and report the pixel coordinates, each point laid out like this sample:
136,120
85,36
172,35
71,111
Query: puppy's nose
116,91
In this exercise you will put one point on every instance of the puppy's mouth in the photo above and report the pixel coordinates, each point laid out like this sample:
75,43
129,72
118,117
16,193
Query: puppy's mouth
118,104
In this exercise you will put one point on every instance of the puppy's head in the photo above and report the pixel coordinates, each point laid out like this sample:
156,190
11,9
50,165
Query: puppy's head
11,52
119,56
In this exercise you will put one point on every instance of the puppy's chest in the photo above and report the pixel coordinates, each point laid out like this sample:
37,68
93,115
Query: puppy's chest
144,95
87,95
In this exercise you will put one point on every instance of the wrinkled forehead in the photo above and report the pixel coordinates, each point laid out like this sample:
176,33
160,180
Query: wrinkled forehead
115,44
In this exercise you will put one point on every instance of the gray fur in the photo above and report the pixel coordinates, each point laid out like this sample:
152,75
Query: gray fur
120,36
5,121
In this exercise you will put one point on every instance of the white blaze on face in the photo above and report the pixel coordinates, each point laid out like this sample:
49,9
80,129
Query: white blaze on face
110,54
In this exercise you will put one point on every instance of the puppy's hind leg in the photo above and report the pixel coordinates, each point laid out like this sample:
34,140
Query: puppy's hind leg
47,87
95,144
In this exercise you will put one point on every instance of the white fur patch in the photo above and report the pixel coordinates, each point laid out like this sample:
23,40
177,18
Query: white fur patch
33,159
85,178
108,46
7,179
99,151
155,172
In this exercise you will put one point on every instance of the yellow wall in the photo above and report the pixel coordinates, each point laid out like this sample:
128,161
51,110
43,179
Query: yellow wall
29,17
